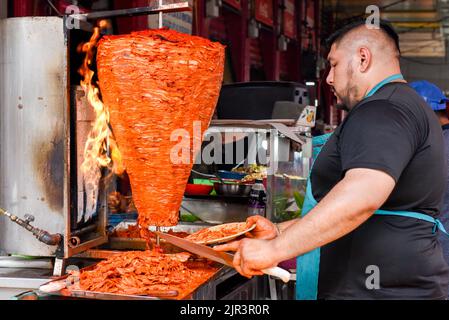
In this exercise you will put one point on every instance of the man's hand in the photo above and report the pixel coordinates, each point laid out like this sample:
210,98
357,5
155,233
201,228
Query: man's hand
252,255
349,204
265,229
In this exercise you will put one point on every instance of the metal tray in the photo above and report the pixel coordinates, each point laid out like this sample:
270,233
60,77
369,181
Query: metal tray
82,294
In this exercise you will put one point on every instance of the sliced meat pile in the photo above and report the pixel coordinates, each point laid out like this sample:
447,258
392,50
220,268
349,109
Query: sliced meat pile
146,273
155,82
134,232
217,232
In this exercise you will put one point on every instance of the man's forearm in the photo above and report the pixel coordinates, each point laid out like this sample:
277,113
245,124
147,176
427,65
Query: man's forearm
350,203
285,225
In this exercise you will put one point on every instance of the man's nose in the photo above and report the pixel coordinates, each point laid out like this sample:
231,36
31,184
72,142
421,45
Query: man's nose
330,78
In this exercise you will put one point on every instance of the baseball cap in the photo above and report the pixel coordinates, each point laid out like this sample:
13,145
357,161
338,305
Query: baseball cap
433,95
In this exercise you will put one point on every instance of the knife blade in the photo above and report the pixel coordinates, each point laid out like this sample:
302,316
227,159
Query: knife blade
221,257
198,249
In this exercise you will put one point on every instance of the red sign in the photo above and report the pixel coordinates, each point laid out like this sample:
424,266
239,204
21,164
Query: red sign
264,11
289,22
234,3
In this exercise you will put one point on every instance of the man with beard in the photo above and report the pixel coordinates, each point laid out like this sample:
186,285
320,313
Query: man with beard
369,223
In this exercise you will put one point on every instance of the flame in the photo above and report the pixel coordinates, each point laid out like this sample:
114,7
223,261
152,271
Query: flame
101,149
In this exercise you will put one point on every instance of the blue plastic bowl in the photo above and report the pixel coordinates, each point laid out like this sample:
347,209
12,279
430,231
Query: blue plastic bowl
231,175
116,218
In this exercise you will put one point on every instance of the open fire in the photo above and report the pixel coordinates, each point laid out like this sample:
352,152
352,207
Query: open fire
101,150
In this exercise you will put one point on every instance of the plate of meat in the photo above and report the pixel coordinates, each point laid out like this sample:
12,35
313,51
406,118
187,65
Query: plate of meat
221,233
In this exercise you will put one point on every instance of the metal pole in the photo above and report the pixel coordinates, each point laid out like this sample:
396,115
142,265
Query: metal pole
3,9
166,8
158,239
161,21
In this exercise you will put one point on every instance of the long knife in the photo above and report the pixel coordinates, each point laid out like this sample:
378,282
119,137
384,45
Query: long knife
221,257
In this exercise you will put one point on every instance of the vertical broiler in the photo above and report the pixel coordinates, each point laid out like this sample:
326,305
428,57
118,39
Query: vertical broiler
44,127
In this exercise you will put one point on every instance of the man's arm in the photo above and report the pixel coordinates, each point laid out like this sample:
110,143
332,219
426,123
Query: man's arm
286,224
350,203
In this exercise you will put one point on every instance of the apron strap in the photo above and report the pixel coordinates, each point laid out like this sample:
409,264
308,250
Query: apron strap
416,215
308,265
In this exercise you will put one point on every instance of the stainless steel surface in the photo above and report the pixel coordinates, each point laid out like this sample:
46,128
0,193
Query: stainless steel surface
217,211
199,249
33,122
166,8
19,278
228,189
35,137
23,263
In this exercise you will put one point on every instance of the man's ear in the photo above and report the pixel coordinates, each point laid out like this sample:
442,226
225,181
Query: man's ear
365,58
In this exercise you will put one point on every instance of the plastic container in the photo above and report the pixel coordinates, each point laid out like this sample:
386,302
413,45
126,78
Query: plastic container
231,175
232,189
198,189
257,199
115,219
208,182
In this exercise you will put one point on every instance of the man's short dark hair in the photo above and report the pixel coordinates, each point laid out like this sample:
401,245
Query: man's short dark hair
385,26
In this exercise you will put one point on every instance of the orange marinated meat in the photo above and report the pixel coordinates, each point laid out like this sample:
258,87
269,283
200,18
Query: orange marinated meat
154,82
134,231
146,272
217,232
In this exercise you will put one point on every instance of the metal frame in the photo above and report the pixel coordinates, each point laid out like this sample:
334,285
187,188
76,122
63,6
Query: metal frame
71,120
279,147
63,109
165,8
3,9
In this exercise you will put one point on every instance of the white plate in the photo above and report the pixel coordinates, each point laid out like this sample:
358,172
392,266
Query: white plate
224,239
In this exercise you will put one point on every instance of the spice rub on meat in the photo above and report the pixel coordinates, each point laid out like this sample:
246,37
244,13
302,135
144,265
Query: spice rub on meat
217,232
146,272
155,82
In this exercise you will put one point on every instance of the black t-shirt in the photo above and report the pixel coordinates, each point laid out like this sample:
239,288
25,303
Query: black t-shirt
396,132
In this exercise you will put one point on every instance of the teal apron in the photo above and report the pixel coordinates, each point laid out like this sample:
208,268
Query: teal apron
308,265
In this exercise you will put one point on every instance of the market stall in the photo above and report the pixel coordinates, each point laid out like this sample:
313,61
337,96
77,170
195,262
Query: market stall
90,210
